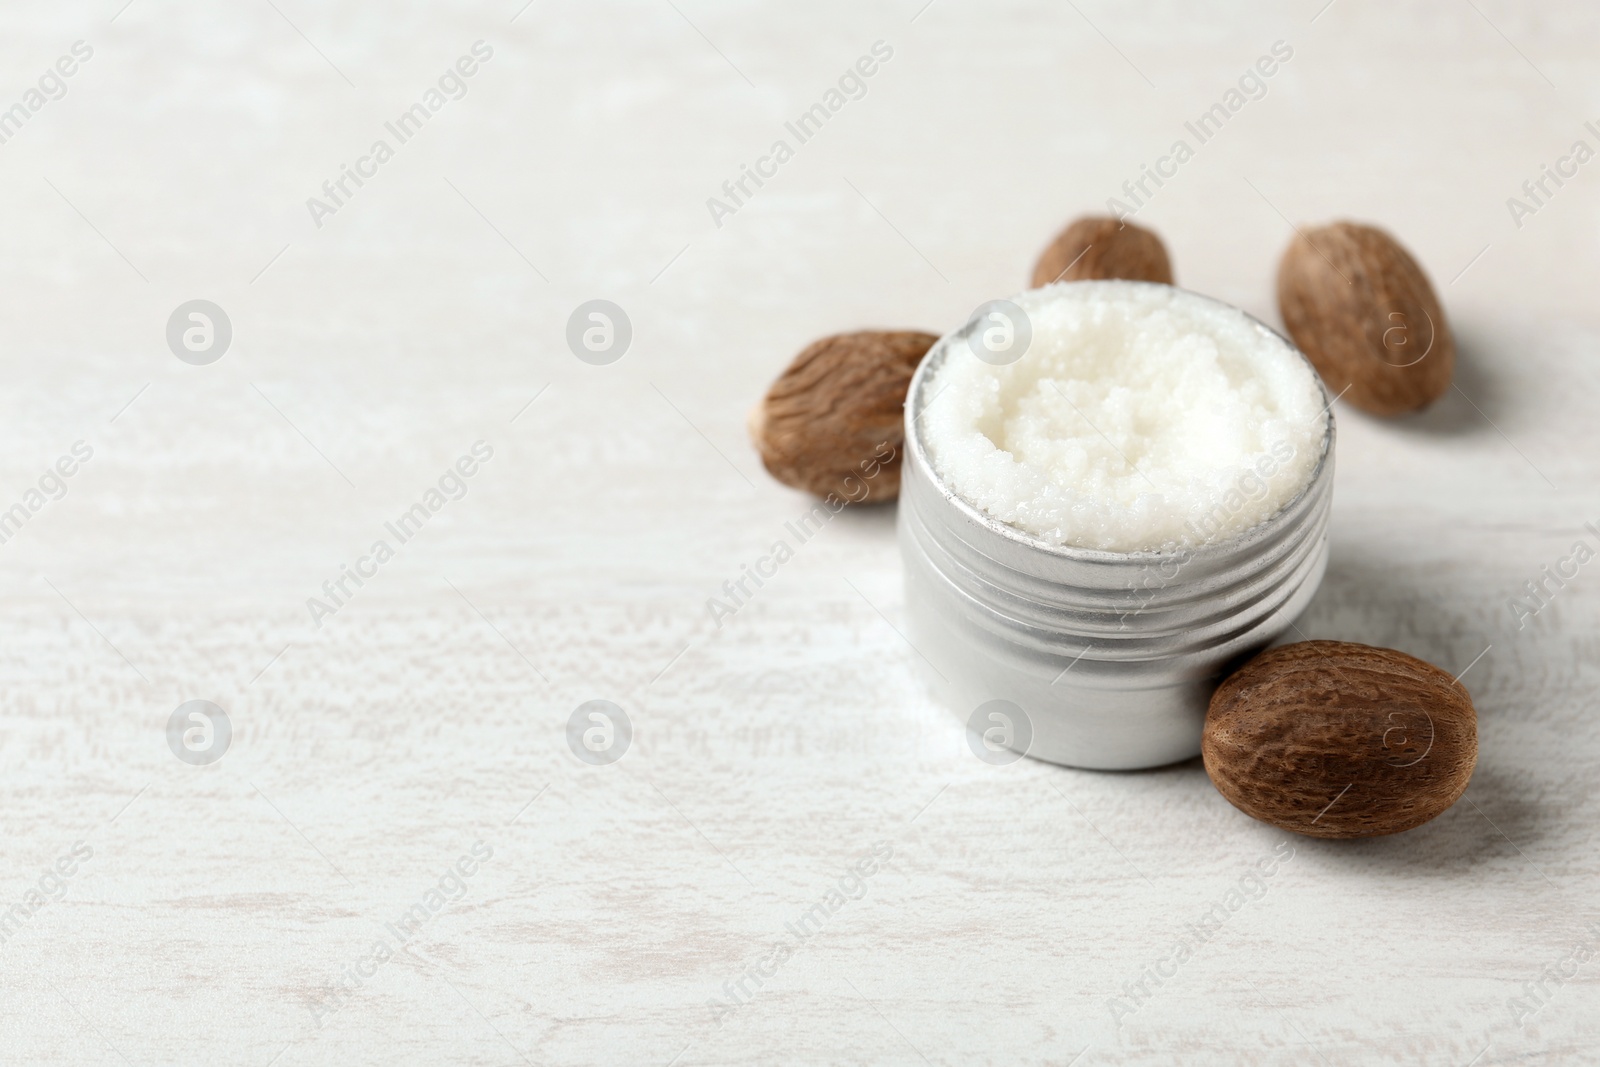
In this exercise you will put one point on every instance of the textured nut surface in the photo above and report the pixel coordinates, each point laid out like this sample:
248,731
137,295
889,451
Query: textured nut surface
1360,308
833,422
1101,247
1333,739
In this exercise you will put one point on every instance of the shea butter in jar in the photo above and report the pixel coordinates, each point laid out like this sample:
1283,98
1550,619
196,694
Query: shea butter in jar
1112,492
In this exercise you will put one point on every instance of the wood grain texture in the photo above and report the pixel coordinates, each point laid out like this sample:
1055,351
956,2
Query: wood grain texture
773,753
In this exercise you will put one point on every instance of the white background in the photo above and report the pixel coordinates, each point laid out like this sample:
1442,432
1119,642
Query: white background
770,754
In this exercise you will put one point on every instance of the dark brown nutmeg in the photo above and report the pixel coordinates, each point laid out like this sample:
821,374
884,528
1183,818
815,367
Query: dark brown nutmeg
1365,314
1333,739
834,421
1102,247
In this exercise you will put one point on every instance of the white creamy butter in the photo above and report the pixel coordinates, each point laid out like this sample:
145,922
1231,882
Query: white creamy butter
1140,418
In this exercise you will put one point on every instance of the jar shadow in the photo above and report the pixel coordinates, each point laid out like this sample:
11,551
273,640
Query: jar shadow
1499,819
1392,605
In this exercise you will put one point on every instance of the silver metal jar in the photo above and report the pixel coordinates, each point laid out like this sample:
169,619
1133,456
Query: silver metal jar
1111,657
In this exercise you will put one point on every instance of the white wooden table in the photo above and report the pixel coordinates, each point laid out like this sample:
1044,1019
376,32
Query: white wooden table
213,911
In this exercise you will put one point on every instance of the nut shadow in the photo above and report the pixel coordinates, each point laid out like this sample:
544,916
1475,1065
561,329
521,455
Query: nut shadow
1497,820
1367,599
1475,404
874,518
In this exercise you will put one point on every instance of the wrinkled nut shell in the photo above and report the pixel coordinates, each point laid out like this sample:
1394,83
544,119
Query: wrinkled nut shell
1100,247
834,421
1333,739
1360,308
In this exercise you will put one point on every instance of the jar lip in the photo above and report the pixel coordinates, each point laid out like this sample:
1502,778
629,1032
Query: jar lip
917,451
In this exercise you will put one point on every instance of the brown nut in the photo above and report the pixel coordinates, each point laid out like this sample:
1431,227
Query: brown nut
1365,314
834,421
1101,247
1333,739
